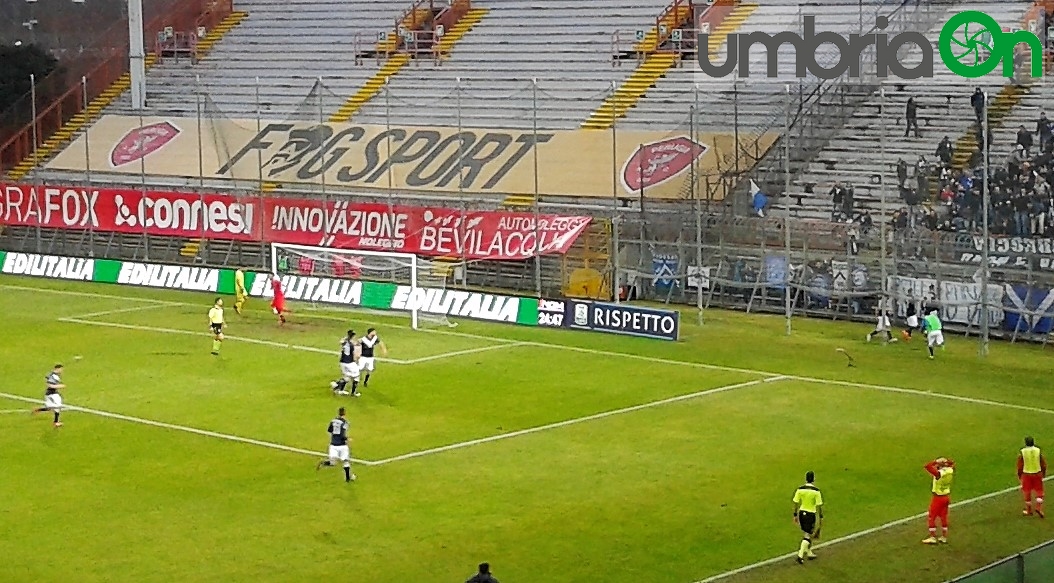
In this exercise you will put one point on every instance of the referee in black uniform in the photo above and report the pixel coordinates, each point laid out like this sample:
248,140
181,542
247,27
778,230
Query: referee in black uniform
808,514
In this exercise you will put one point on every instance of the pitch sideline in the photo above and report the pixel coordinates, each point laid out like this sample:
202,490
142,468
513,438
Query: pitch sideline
858,534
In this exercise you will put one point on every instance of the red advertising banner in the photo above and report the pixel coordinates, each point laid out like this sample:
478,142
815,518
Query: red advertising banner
429,231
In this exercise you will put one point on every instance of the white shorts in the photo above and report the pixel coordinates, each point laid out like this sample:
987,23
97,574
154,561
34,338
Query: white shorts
883,324
913,321
366,363
53,401
349,370
339,452
935,338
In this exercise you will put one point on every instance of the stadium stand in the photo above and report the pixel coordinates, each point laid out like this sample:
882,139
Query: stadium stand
287,45
668,103
564,44
852,156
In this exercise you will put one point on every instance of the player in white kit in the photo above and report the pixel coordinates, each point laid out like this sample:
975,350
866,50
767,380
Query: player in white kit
52,397
368,344
883,327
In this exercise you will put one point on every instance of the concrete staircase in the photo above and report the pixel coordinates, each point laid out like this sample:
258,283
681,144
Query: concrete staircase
459,30
999,109
632,89
207,42
656,64
370,88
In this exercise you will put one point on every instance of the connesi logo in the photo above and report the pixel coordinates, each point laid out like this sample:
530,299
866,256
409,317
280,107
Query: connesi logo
971,45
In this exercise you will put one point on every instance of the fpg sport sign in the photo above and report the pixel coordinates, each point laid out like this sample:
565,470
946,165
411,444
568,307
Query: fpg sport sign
495,161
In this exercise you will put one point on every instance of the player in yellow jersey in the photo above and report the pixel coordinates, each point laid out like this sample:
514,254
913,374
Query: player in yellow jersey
1031,469
240,294
943,471
808,515
216,324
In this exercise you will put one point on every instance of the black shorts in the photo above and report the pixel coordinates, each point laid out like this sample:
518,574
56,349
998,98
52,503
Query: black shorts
807,521
217,328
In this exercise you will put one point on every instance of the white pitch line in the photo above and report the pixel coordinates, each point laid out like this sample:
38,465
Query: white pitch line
227,336
194,430
462,352
855,535
904,391
66,292
118,311
574,421
699,365
12,411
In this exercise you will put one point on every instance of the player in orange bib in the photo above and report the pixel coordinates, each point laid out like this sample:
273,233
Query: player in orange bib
943,471
1031,469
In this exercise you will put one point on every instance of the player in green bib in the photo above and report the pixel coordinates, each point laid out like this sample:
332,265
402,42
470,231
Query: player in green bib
931,324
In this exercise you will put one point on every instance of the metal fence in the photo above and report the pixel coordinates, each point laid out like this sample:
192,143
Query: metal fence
1036,565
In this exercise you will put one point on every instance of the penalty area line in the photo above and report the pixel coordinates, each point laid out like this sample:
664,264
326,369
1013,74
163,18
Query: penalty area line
204,334
184,428
856,535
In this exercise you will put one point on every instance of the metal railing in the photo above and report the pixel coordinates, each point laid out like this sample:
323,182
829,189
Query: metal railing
1035,565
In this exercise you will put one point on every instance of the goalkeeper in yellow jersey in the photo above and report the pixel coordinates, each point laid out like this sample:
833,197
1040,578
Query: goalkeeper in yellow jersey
240,294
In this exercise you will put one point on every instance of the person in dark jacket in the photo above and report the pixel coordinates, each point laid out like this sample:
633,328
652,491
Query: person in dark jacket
1044,131
911,113
977,100
483,576
945,151
1024,139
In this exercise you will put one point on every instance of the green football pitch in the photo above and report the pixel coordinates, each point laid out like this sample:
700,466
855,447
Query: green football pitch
556,455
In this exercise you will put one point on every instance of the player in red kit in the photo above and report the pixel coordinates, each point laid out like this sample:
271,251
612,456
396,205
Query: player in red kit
1031,469
943,472
278,303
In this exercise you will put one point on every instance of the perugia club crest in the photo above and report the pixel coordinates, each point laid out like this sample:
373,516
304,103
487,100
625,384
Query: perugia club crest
658,162
141,142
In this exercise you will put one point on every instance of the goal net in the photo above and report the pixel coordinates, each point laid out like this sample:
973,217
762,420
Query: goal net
368,266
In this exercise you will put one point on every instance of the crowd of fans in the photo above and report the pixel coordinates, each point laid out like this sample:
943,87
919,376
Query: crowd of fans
1021,183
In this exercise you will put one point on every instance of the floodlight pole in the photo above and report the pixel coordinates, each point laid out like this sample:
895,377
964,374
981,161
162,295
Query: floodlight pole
985,199
884,299
787,209
136,54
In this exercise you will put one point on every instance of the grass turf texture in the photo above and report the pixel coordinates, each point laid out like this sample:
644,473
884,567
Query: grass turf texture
675,492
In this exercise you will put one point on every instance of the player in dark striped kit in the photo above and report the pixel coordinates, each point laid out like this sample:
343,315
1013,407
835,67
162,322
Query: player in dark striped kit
338,446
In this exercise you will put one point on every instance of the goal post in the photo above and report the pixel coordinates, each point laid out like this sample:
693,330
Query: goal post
361,265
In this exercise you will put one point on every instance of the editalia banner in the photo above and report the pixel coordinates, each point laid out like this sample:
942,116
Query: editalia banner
428,231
